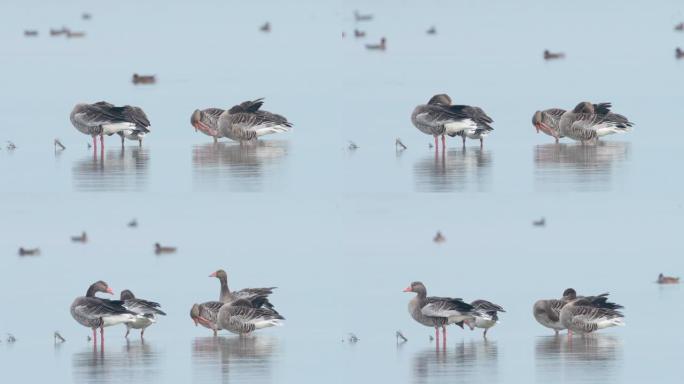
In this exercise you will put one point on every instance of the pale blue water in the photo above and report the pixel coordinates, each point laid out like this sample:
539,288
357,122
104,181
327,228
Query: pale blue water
342,232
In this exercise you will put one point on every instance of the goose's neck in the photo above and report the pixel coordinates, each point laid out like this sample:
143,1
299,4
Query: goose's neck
225,291
91,291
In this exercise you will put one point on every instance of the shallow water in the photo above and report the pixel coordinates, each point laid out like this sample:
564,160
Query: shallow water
341,232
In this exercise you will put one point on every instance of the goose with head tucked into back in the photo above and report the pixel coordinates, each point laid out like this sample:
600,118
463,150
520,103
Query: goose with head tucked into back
439,118
588,122
488,308
146,311
241,318
547,312
588,314
103,118
246,122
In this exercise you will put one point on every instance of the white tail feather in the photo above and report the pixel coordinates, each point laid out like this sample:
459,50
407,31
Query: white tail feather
109,129
268,323
270,130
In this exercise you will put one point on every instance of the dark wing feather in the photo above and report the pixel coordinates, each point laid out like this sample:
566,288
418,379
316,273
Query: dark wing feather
95,307
602,108
247,106
143,307
487,306
214,112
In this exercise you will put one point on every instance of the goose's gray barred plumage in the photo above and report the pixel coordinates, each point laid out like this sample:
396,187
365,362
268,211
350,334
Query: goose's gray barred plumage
246,122
146,311
206,314
439,117
241,318
547,312
489,309
256,297
547,121
589,122
589,314
94,312
103,118
206,121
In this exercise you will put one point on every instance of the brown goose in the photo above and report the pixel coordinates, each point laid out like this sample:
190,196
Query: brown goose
206,314
547,121
241,318
438,311
206,121
256,297
662,279
547,312
246,122
589,122
588,314
146,311
103,118
94,312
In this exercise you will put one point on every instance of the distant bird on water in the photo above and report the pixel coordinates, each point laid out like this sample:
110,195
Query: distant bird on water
144,79
133,223
11,146
553,56
30,33
246,122
352,146
439,118
206,121
78,34
679,27
266,27
358,16
547,121
662,279
59,32
29,251
439,238
86,16
378,47
158,249
359,34
679,53
103,118
432,31
539,223
82,238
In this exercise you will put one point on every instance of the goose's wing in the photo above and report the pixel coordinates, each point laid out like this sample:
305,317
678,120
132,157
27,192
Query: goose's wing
210,309
143,307
553,309
95,307
247,106
487,306
257,297
589,319
136,116
445,307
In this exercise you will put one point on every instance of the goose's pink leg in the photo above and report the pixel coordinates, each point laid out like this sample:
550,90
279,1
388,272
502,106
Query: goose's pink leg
102,142
443,143
436,144
443,335
94,335
102,336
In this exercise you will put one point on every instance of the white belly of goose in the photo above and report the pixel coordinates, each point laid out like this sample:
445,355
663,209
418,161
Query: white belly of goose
117,319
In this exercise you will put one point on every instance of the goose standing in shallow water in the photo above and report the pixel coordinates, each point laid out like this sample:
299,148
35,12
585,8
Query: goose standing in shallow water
241,318
206,314
256,297
438,311
246,122
94,312
103,118
547,312
547,121
146,311
588,314
206,121
589,122
439,117
488,308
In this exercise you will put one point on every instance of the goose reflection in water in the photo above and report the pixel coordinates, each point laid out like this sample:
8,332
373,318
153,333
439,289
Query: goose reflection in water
239,358
238,167
466,362
460,170
118,170
582,167
592,358
135,361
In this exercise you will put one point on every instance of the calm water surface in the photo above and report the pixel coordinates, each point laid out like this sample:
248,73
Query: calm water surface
342,232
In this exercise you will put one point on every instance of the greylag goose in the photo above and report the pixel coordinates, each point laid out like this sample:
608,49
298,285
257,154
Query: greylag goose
245,122
29,251
143,79
132,134
547,121
83,238
552,56
438,311
206,121
206,314
547,312
256,297
589,121
439,117
94,312
146,311
159,249
103,118
589,314
488,308
662,279
378,47
241,318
